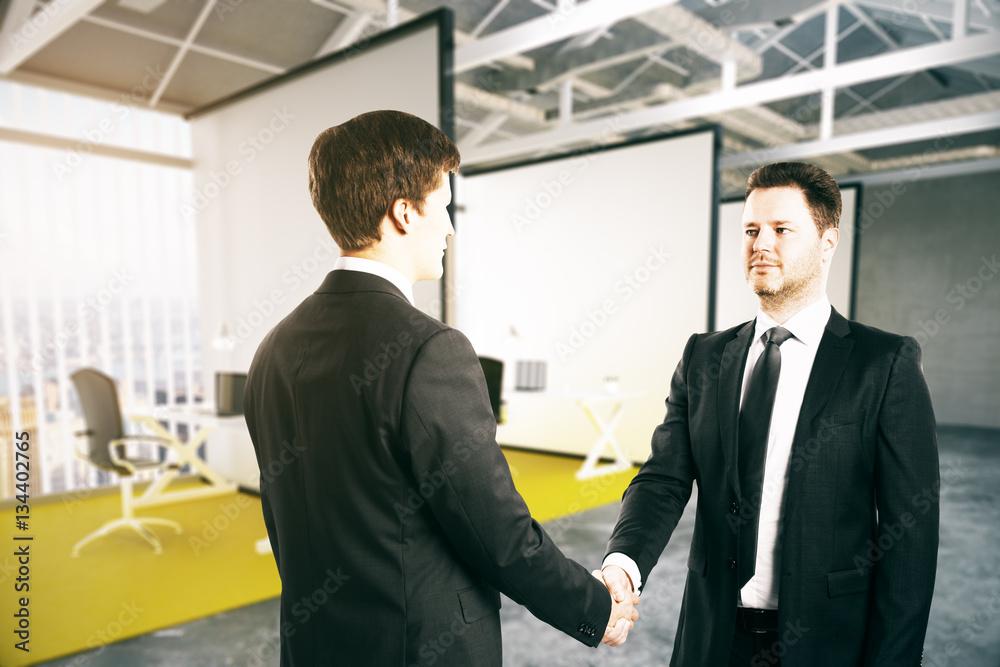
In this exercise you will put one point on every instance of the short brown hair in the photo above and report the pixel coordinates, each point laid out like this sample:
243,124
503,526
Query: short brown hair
820,190
359,168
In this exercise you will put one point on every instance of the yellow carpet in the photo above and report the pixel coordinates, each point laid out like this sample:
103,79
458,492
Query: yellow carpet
118,588
550,489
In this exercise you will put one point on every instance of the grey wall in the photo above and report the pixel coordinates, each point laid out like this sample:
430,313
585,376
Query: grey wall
927,267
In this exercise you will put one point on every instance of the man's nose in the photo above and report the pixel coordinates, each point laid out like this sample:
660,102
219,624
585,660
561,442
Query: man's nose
763,241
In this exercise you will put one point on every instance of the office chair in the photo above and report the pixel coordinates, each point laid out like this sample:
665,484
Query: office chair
493,370
107,449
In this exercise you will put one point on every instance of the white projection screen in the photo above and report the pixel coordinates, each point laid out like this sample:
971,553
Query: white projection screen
262,247
736,303
597,264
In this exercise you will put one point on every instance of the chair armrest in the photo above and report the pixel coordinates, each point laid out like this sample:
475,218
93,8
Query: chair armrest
117,460
163,443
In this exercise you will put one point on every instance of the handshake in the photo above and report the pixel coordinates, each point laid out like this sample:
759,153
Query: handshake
623,602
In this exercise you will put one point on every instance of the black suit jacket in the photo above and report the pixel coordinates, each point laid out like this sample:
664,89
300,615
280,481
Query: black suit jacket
860,523
389,507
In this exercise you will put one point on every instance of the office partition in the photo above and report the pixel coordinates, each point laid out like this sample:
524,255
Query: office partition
597,264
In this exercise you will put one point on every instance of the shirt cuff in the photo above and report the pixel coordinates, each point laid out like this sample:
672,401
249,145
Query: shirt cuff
627,564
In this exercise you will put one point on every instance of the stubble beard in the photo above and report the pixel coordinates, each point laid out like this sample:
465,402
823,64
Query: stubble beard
795,283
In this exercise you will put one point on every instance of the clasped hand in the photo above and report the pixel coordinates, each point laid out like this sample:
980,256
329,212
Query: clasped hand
623,602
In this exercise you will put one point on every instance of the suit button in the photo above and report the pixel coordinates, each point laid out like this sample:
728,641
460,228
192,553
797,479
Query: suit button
732,563
734,508
582,629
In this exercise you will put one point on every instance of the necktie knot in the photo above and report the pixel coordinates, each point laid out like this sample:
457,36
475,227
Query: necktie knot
776,335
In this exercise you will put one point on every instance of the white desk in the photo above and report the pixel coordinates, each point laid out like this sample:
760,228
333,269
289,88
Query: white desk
535,420
588,402
201,422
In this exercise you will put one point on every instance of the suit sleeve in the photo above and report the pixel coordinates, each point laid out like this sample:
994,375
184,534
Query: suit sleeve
654,501
249,416
448,426
907,492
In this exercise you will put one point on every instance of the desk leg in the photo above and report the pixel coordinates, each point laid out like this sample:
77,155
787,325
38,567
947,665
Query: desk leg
186,454
590,468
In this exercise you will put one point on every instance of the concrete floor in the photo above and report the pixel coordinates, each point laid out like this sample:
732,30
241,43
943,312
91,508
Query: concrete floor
964,627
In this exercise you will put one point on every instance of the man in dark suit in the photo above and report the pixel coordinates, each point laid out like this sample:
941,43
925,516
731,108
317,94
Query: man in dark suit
815,539
389,507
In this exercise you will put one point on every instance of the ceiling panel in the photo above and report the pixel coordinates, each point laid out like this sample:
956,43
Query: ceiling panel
100,56
201,79
283,33
172,18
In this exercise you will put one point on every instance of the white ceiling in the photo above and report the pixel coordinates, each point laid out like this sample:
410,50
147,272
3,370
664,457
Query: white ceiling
856,86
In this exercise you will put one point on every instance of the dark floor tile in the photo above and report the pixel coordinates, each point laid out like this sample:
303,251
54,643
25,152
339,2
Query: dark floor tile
964,627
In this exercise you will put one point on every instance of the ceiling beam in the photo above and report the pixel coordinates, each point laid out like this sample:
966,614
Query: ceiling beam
884,66
482,131
939,11
348,31
22,39
928,172
900,134
179,56
558,25
377,7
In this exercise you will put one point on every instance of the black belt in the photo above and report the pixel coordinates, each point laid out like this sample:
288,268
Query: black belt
757,620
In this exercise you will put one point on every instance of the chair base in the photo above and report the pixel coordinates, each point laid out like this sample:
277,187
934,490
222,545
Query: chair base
136,524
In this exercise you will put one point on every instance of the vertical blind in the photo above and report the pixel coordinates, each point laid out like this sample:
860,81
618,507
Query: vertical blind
97,269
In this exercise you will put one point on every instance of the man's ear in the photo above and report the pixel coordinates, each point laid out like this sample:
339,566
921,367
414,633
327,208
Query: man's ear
398,215
828,242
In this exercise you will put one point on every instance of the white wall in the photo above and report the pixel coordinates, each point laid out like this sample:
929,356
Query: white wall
599,264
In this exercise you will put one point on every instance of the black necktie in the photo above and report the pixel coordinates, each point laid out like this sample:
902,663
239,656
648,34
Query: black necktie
755,421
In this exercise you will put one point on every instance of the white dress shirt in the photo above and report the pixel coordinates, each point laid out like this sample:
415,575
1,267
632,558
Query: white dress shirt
377,269
797,356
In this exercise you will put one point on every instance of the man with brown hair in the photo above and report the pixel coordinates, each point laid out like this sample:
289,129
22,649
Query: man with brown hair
812,441
392,516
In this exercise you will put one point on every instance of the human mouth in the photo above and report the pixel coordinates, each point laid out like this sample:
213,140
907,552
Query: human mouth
762,265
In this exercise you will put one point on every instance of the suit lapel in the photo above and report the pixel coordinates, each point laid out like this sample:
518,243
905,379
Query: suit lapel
831,359
734,359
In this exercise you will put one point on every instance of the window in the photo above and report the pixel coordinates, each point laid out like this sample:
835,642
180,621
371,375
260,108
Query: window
97,268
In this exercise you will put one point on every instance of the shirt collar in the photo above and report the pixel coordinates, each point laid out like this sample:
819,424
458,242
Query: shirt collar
378,269
807,325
